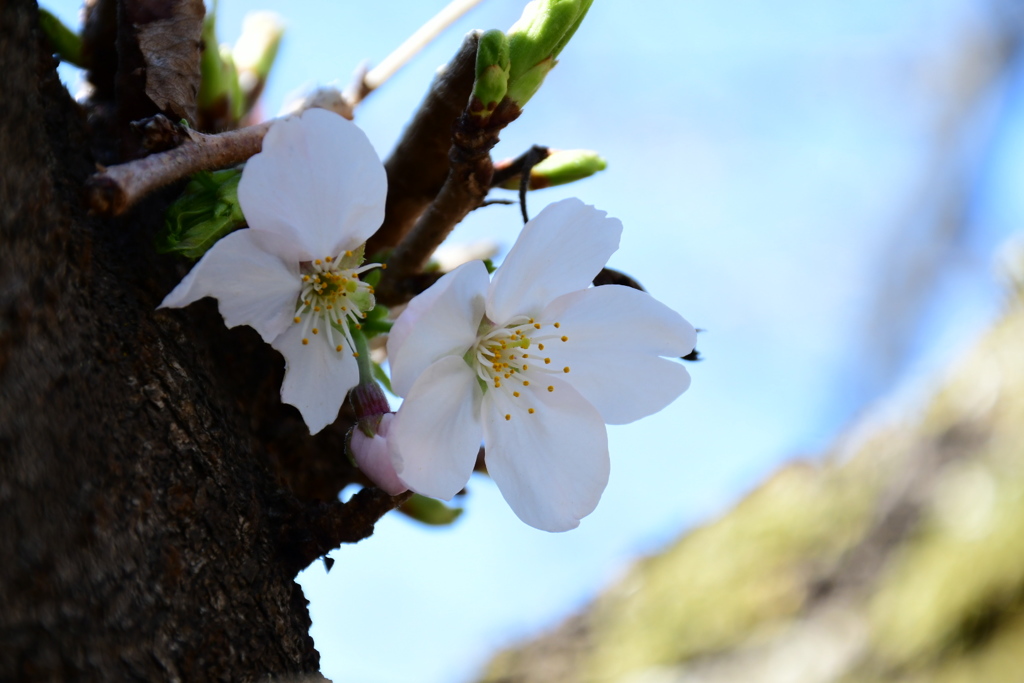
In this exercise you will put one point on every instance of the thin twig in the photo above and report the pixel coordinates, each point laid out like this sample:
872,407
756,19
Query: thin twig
307,531
113,190
368,81
508,169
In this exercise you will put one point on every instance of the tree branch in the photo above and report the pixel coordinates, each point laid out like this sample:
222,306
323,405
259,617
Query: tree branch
464,189
309,531
114,190
418,166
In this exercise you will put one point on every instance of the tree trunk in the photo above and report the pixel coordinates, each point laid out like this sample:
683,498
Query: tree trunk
156,498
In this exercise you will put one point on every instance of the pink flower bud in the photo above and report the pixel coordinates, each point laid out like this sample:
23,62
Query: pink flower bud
371,454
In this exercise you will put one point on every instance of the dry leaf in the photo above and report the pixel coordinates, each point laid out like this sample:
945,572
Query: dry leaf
170,48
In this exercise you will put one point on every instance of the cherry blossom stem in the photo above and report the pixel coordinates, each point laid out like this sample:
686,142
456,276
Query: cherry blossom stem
362,351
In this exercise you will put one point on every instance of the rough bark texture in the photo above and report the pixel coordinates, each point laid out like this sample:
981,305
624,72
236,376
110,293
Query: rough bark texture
156,498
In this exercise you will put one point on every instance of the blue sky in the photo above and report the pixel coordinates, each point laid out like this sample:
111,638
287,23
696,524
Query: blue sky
773,166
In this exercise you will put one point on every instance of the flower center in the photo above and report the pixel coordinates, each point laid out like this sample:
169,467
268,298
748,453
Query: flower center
332,297
518,355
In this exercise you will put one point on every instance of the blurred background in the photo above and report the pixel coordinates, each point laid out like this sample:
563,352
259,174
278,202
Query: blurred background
825,188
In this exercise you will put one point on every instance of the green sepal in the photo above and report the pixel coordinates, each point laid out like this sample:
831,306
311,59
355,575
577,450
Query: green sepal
429,511
63,40
382,377
206,211
560,168
376,322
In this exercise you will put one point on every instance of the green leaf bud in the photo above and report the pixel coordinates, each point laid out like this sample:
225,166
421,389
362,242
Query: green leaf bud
63,40
560,168
492,68
536,40
205,212
429,511
217,101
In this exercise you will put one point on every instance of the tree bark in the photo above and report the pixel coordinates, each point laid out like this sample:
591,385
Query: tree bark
156,498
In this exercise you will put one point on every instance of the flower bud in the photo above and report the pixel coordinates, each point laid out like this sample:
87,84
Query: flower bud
205,212
537,39
562,167
369,448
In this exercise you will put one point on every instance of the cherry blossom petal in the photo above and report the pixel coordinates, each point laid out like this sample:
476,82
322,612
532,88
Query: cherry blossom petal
374,458
616,318
435,436
624,386
318,183
252,286
316,376
551,466
560,251
443,321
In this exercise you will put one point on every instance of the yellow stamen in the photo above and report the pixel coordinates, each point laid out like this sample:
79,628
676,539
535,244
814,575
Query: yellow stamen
508,417
305,341
531,411
551,388
564,338
565,369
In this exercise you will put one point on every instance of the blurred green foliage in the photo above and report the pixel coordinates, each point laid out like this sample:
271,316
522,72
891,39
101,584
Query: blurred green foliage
899,557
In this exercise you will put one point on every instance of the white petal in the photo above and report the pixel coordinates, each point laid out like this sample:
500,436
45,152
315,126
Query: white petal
316,376
318,183
624,386
551,466
441,321
435,436
561,250
615,337
617,317
252,286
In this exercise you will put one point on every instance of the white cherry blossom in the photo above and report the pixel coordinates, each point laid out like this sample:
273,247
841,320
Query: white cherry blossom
311,198
533,363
